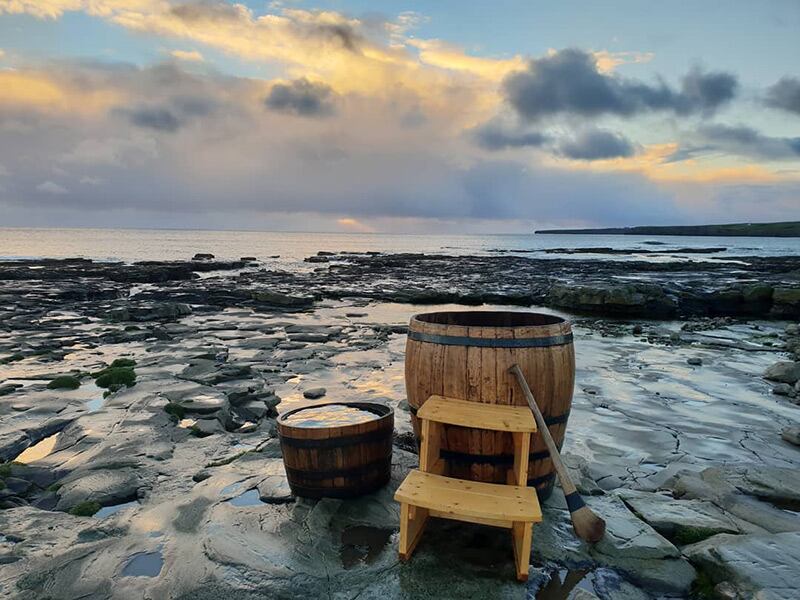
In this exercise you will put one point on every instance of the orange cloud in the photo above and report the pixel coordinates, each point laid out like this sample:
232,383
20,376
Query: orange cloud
653,163
608,61
188,55
42,92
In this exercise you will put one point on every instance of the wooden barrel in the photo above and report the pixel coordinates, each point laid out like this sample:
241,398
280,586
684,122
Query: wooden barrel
467,355
338,461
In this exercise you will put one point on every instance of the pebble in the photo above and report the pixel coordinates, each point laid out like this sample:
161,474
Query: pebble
783,389
314,393
791,435
694,361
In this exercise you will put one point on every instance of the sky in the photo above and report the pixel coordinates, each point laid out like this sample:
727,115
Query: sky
399,117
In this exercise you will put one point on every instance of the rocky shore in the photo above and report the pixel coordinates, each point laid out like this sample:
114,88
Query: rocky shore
139,457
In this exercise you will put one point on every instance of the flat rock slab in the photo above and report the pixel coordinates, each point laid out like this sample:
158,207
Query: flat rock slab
683,521
771,483
104,487
760,566
204,403
630,545
274,488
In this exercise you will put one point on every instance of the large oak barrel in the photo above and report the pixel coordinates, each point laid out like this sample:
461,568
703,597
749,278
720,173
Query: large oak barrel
466,355
325,456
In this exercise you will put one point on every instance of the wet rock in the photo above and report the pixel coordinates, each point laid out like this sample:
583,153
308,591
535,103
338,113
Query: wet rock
9,388
759,566
580,473
274,488
203,256
791,435
786,302
254,410
619,299
206,427
204,403
784,371
209,372
282,299
201,475
314,393
101,486
783,389
308,337
726,488
149,312
775,484
247,427
630,545
681,521
694,361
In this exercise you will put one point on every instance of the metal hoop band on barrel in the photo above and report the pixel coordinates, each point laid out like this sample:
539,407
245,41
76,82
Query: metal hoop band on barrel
454,340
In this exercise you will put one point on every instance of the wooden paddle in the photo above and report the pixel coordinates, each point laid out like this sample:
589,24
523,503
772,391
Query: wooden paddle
588,526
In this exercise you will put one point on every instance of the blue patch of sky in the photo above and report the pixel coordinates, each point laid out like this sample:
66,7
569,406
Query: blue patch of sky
758,40
78,36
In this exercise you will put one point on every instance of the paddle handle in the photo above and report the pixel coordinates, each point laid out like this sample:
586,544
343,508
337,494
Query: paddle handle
544,431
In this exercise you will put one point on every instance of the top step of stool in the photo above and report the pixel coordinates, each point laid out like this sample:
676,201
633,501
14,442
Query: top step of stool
477,415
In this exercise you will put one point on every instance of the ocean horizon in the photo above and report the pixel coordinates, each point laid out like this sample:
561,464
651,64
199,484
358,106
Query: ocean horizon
131,245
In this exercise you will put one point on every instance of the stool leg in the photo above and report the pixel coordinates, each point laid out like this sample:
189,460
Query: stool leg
411,528
522,536
429,461
522,449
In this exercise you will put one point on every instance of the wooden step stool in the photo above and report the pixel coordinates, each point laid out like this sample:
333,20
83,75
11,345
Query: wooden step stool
428,493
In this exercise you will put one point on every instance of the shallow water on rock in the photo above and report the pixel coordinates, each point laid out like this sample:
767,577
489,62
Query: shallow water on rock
330,415
144,564
363,545
249,498
564,583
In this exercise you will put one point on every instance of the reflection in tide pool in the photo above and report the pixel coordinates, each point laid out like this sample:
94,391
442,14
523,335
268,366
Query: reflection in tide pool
38,450
330,415
249,498
144,564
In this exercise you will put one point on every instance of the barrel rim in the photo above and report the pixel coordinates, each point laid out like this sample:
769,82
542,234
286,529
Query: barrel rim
385,413
525,327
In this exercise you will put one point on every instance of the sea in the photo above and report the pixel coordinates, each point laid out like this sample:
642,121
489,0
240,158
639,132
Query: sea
131,245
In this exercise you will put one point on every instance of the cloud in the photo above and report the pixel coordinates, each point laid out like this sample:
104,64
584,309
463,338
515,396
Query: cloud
785,95
569,82
188,55
301,97
738,140
586,144
43,9
48,187
494,135
152,117
447,56
596,144
608,61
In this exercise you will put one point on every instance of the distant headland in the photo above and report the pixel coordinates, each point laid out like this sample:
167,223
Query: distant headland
783,229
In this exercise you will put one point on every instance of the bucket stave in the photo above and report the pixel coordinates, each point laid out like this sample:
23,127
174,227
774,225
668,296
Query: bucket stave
467,355
339,460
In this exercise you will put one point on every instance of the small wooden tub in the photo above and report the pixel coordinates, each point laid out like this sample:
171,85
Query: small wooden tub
324,458
466,355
